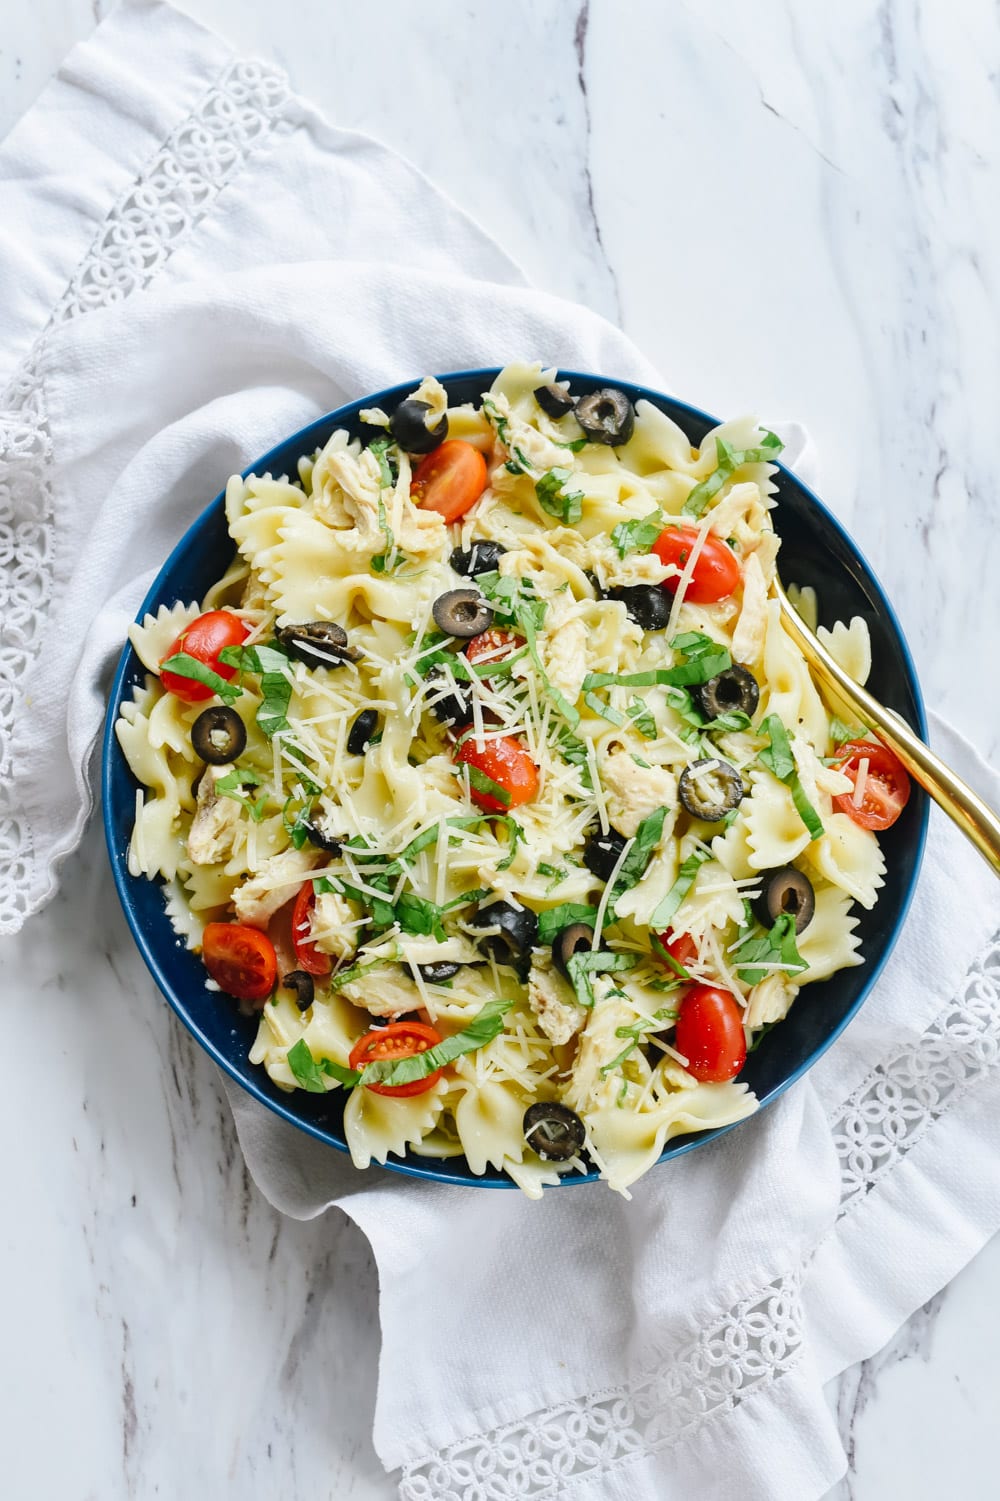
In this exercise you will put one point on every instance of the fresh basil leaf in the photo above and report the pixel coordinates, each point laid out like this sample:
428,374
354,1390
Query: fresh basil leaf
633,867
805,809
556,918
186,666
637,536
728,460
515,836
584,965
237,779
762,947
841,732
388,474
574,751
487,1024
518,462
485,786
662,953
573,447
276,691
307,1072
777,757
349,1077
679,890
499,423
603,709
643,719
565,505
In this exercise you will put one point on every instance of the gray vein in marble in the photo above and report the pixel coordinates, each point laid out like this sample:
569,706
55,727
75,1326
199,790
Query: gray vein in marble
580,51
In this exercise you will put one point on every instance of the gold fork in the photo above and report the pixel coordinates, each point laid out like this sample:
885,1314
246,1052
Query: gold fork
975,818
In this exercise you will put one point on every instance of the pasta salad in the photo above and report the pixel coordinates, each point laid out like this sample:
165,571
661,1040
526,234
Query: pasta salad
488,779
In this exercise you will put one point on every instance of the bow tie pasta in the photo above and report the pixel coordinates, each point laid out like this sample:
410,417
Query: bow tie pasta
488,780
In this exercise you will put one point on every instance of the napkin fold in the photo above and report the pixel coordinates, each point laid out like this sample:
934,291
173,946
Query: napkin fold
166,329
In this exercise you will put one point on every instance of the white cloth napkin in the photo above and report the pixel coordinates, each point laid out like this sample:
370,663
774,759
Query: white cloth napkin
157,337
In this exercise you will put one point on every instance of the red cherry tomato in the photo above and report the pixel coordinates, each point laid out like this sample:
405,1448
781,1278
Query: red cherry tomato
680,946
307,955
203,639
887,785
507,764
493,645
450,480
709,1033
397,1040
240,959
716,573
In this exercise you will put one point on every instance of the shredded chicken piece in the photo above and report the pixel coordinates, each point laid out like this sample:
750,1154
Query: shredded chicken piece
770,1001
273,885
384,992
552,999
634,792
600,1044
215,822
333,930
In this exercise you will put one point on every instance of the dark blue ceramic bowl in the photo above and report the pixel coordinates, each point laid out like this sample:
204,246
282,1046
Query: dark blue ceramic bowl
815,550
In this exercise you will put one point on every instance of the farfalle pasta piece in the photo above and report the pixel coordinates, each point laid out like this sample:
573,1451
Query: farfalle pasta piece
775,833
378,1125
153,639
850,646
830,942
849,857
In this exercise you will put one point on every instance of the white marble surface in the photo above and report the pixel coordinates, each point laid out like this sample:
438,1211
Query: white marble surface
792,209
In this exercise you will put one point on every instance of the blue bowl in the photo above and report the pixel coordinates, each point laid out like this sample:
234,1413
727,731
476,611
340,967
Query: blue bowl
815,550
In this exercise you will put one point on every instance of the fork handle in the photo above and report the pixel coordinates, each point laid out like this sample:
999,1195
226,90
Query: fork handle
977,820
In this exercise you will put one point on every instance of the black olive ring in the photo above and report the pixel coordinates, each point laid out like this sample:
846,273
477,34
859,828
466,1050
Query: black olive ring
553,1131
218,735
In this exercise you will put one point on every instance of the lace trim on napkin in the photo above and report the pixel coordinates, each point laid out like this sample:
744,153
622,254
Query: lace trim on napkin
913,1087
731,1360
168,199
760,1339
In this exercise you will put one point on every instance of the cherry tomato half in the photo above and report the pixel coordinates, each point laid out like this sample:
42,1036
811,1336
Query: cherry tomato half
493,645
307,955
716,573
709,1033
507,764
680,946
450,480
203,639
397,1040
240,959
887,785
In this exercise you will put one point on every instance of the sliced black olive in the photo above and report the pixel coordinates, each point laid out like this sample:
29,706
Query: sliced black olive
320,838
436,974
453,709
647,604
569,941
361,732
607,416
517,936
218,735
732,691
303,985
408,425
786,891
555,401
708,789
481,557
318,643
602,852
462,612
553,1131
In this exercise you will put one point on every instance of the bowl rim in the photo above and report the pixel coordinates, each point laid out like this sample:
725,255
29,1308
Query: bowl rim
110,751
